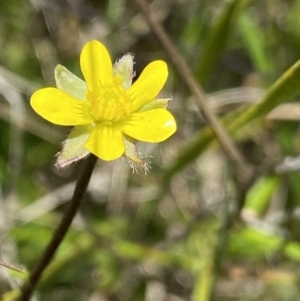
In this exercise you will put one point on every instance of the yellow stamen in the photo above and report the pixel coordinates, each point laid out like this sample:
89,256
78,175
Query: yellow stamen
110,101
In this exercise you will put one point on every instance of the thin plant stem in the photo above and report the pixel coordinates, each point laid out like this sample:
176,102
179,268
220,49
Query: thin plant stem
59,234
188,78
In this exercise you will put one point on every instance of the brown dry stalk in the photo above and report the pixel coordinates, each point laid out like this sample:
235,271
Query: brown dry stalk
194,87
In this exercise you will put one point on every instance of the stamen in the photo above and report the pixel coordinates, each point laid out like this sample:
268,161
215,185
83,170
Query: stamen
110,102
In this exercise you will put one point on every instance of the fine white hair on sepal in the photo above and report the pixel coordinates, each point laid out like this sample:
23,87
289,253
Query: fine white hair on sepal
146,166
141,164
123,67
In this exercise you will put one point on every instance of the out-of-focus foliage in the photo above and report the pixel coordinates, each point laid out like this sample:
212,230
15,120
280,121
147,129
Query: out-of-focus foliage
174,234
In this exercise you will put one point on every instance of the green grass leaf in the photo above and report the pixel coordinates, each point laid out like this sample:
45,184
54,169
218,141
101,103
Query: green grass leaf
218,36
285,88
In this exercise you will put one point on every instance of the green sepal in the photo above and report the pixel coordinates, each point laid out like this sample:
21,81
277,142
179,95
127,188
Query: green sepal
155,104
69,83
73,147
135,159
124,68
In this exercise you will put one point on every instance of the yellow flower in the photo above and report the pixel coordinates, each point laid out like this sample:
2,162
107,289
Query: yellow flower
108,112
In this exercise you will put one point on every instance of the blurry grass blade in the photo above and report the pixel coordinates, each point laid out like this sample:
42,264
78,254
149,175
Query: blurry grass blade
139,252
80,251
204,283
292,251
294,187
254,42
286,87
115,10
10,266
190,152
193,27
292,20
258,197
288,111
254,242
218,36
11,295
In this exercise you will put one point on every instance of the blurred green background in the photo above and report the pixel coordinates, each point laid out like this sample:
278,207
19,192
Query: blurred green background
188,230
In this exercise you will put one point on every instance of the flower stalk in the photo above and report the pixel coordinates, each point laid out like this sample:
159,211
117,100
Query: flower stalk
59,234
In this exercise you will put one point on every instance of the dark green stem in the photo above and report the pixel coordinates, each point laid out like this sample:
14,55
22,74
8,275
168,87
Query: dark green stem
58,236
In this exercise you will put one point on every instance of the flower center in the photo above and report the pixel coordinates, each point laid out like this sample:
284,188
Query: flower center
110,101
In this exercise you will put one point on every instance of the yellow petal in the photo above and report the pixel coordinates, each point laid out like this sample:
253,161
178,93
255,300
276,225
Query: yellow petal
96,64
151,126
60,108
106,142
149,84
